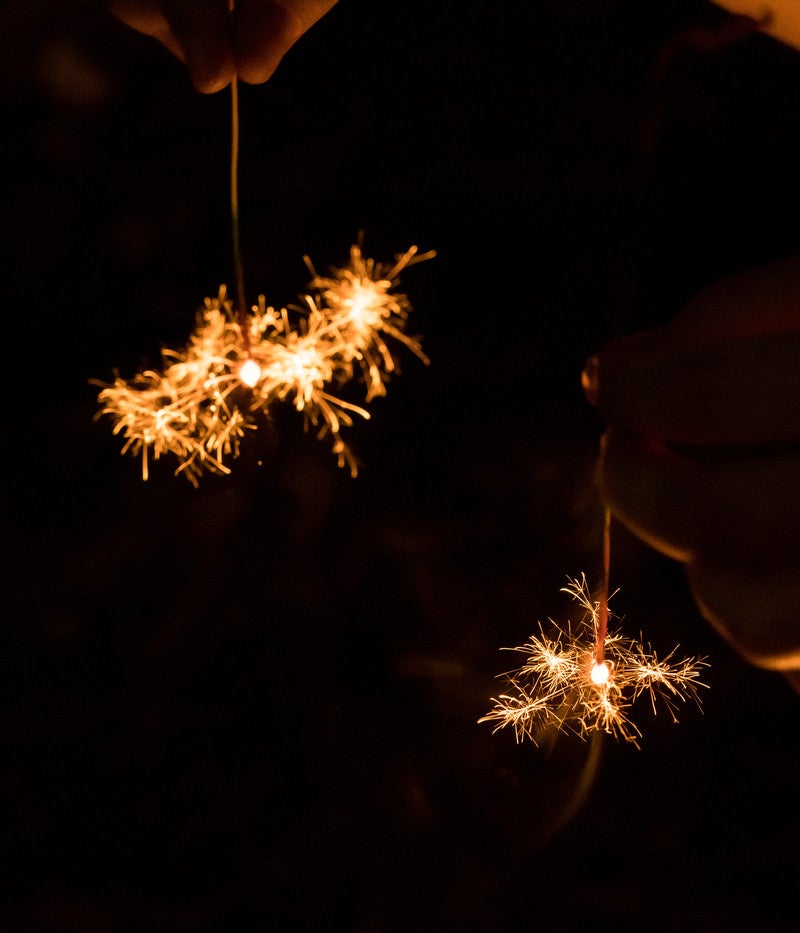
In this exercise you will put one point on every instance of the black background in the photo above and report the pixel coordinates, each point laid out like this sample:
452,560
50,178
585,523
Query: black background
253,706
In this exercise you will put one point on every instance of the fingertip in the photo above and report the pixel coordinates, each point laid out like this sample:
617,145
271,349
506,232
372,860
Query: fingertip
202,28
209,80
262,35
211,68
257,72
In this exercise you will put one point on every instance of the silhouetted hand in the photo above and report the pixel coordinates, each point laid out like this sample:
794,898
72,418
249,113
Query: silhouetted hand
217,44
702,454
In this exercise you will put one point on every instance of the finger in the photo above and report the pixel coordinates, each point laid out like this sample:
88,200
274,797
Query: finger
202,28
742,511
146,16
265,30
726,393
755,610
779,18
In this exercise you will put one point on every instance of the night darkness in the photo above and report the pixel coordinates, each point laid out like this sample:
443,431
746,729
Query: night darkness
253,706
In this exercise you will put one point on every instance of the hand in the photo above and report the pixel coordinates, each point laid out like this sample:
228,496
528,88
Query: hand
778,17
702,454
217,44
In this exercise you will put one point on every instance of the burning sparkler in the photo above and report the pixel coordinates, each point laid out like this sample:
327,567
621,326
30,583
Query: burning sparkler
362,305
240,361
580,679
234,366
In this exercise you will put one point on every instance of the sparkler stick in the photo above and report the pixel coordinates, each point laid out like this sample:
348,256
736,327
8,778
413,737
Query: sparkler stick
238,268
602,611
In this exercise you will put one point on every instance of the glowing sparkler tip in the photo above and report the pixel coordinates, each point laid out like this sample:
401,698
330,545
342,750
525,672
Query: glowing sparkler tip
249,373
562,686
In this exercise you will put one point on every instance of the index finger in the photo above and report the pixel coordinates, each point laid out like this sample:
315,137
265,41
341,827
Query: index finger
202,29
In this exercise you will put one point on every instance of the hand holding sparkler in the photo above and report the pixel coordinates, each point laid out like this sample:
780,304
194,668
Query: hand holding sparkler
217,45
702,456
241,358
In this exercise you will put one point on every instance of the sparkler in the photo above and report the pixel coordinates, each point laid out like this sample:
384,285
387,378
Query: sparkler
363,307
240,362
233,367
583,677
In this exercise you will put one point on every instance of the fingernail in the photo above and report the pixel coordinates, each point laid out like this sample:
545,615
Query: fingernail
589,379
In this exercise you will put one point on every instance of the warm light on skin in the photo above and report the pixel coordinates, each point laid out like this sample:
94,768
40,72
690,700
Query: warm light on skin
779,18
249,373
557,690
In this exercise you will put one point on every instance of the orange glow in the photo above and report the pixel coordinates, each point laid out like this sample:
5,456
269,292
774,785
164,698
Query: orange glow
562,687
250,373
339,334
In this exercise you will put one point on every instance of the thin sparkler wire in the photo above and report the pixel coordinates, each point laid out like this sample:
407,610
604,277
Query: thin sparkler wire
238,269
602,611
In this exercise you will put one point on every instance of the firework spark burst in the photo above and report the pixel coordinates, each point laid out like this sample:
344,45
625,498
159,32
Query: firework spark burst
361,302
573,682
199,407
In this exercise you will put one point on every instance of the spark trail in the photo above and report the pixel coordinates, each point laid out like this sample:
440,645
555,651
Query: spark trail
571,681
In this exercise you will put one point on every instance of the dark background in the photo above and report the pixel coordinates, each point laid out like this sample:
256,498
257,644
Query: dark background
253,706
